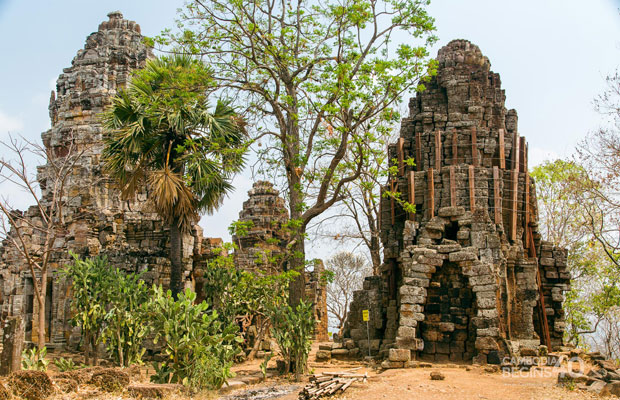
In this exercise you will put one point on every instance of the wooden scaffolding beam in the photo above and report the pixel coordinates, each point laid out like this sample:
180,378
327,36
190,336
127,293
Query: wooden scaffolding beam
472,189
497,203
431,193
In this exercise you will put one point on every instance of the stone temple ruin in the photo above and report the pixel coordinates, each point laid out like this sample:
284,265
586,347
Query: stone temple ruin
467,276
263,246
98,222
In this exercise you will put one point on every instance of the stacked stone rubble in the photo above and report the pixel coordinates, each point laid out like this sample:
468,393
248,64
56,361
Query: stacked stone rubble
460,280
98,221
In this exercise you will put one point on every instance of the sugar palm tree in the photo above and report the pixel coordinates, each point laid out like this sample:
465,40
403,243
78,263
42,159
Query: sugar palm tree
163,136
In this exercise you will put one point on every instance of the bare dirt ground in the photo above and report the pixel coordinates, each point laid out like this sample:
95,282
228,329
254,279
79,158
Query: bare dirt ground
461,383
404,384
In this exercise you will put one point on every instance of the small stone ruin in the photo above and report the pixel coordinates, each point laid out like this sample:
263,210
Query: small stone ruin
263,247
467,276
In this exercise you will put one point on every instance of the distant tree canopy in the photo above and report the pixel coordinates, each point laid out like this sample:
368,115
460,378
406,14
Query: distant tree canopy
579,208
312,78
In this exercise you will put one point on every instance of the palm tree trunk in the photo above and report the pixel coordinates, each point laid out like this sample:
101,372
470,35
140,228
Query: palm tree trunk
176,258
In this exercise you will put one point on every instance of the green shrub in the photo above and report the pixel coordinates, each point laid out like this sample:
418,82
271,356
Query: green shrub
293,329
108,305
91,283
64,364
34,359
125,319
198,348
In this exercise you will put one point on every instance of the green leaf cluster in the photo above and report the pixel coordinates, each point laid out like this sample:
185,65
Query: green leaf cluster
34,359
164,136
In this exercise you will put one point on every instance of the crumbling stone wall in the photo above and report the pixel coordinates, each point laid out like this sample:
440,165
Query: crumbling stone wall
98,221
462,276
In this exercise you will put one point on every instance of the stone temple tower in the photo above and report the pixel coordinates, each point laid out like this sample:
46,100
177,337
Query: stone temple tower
98,221
468,275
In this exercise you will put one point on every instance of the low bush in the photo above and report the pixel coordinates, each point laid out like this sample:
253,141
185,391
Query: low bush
65,364
198,348
34,359
293,329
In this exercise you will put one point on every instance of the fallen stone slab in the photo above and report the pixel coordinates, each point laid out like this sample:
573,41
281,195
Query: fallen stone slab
437,376
232,385
572,377
402,355
596,387
611,389
153,390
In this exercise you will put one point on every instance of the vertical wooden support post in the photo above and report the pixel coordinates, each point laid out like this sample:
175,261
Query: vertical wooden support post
452,187
392,207
526,218
474,147
401,156
418,151
497,206
411,192
522,154
431,193
455,149
515,204
515,153
438,150
542,309
472,189
502,150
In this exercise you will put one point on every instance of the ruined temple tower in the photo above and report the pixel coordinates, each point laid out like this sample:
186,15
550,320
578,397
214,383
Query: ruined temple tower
468,275
265,216
98,222
262,247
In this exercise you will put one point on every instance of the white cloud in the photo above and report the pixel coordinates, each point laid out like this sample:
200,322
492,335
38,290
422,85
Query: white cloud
10,124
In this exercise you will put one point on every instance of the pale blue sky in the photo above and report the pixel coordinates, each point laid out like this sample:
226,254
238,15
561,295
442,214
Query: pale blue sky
552,56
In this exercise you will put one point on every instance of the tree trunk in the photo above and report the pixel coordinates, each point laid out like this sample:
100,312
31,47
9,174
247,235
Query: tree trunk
375,253
176,258
41,300
259,339
297,287
94,344
86,347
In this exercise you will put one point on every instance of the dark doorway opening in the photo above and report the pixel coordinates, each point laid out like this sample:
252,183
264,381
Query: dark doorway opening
448,331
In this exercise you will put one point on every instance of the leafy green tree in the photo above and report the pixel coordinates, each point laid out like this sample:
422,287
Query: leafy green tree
357,215
163,136
568,219
312,77
244,297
